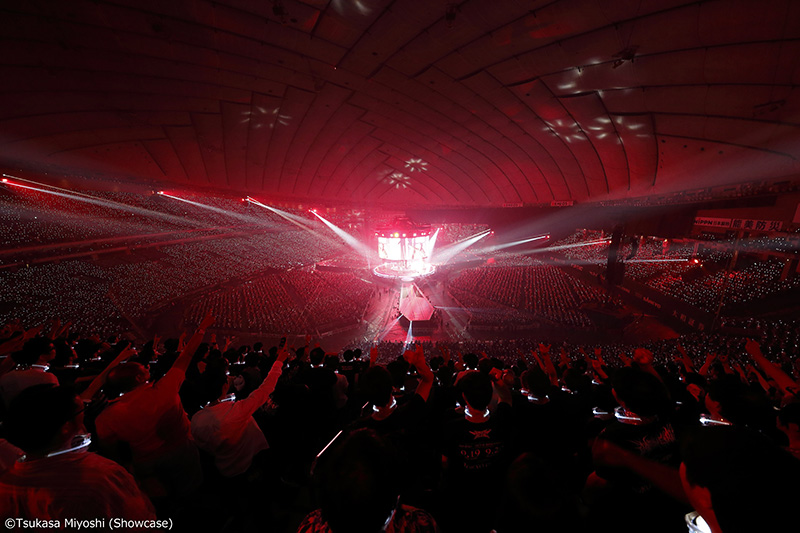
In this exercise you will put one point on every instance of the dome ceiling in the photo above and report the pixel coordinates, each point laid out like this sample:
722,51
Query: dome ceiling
405,102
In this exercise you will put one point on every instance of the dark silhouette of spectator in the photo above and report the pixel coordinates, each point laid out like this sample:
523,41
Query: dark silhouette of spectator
739,481
357,488
150,420
32,365
59,478
476,451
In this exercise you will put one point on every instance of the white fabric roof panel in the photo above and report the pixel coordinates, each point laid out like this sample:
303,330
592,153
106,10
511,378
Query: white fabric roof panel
501,102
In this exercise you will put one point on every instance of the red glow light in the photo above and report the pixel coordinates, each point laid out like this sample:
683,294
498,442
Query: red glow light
4,180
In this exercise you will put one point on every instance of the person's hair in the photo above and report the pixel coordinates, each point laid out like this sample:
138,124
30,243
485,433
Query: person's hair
252,359
122,378
32,350
398,369
316,356
485,365
232,356
37,414
214,377
752,482
332,362
790,414
357,483
63,353
376,385
86,349
535,381
214,355
476,388
642,392
577,381
347,355
693,378
471,361
171,345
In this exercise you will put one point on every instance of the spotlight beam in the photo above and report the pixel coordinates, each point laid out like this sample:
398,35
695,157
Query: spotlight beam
288,216
448,252
237,216
495,248
346,237
568,246
86,198
657,261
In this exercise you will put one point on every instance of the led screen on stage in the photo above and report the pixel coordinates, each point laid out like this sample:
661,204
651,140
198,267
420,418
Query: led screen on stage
403,249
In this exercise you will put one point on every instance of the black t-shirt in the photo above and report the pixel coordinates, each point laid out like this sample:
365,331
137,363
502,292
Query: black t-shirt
397,425
478,453
654,441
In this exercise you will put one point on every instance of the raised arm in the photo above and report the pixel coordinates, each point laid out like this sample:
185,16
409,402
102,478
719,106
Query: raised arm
183,360
761,381
547,364
643,358
100,378
687,362
666,478
445,353
18,342
707,365
565,362
259,397
784,380
373,356
417,359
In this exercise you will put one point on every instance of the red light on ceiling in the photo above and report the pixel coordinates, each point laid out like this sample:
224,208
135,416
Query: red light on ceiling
4,180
